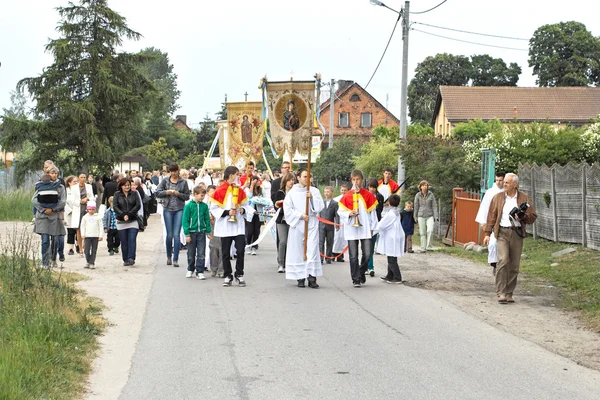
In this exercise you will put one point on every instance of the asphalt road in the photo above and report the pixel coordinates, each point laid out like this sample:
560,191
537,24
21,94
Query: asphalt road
272,340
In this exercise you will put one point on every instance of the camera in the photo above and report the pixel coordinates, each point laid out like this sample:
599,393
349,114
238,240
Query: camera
519,211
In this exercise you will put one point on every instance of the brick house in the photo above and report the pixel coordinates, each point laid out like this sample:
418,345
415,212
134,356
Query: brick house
356,113
573,106
180,122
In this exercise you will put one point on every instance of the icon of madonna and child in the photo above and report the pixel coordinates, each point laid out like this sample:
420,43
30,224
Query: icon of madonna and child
291,122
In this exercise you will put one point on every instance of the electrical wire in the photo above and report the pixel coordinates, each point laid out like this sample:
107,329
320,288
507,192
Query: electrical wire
472,33
466,41
384,51
431,9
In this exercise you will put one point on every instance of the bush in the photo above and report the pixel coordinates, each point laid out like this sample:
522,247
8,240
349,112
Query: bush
376,155
16,205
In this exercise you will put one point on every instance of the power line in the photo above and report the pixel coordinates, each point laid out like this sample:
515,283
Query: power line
431,9
384,51
472,33
466,41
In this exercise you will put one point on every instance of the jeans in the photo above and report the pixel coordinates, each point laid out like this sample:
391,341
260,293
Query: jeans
90,248
128,243
49,248
357,271
173,225
240,243
195,252
425,230
393,269
112,240
282,230
373,241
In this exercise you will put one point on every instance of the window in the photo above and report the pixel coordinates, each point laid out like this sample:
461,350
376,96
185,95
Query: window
343,119
354,97
365,120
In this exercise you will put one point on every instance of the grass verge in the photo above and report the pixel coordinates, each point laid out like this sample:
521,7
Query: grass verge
15,205
48,328
577,274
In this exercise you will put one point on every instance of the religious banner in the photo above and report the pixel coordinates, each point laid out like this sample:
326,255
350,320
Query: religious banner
244,133
291,109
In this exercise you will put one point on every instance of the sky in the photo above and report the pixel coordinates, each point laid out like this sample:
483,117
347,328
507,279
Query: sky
226,46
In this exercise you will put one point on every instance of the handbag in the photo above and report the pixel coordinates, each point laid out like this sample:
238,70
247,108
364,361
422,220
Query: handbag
140,221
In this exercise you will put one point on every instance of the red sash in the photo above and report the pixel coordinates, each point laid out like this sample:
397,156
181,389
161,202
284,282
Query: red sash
370,201
243,179
220,195
393,185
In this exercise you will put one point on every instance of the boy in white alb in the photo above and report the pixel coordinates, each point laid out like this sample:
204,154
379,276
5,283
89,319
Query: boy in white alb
391,240
357,214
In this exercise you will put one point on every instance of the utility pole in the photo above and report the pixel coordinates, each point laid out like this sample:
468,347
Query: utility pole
404,90
331,112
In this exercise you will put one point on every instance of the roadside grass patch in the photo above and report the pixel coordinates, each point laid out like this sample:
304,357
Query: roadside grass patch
48,328
15,205
577,275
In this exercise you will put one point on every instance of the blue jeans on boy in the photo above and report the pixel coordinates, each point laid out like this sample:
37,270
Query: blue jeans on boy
196,249
128,239
373,241
173,225
49,248
358,269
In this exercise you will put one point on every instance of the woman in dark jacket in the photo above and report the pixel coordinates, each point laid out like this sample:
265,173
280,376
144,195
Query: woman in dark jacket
175,192
287,182
126,205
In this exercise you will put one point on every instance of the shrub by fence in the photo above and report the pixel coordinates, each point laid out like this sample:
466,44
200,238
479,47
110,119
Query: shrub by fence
8,180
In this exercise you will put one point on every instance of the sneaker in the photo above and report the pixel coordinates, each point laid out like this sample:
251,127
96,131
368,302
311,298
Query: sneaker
117,251
71,252
247,251
509,298
111,253
227,281
131,262
396,281
372,273
280,270
169,262
356,284
189,274
213,273
126,263
241,280
385,279
200,276
253,252
87,266
61,258
92,266
176,264
363,279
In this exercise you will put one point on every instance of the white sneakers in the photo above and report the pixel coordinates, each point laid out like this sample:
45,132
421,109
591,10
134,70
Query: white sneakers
281,270
227,281
201,276
189,274
241,280
253,252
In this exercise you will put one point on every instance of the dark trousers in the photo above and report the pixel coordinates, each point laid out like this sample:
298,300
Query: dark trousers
326,236
240,243
128,243
253,230
358,270
112,240
49,248
393,269
90,247
71,235
196,250
373,241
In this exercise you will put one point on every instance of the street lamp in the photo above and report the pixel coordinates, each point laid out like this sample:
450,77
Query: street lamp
404,88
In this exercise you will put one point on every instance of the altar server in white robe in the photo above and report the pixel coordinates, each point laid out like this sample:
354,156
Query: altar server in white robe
391,240
229,200
482,214
358,203
294,205
339,241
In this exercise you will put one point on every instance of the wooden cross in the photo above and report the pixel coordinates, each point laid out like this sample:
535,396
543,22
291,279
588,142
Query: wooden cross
246,96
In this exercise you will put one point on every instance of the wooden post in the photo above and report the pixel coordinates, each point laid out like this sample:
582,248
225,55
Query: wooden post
533,197
554,211
307,203
583,204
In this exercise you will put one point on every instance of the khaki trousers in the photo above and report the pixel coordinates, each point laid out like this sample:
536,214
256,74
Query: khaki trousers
510,245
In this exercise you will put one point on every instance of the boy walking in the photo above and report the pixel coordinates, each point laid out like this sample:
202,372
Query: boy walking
407,216
372,187
391,240
196,226
214,244
110,228
91,233
327,231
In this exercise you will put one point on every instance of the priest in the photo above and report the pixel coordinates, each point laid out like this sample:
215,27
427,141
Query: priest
294,204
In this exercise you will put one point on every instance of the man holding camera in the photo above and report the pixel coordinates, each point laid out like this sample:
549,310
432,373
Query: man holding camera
509,213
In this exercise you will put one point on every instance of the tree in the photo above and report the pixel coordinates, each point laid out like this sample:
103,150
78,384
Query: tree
338,162
222,114
159,153
377,155
156,67
419,129
489,71
206,135
89,100
477,129
441,69
565,54
385,132
18,105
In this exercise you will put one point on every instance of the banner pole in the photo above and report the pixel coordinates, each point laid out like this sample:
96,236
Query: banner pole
307,206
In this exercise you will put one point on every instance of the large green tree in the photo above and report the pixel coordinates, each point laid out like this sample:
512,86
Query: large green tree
490,71
565,54
89,101
338,162
155,65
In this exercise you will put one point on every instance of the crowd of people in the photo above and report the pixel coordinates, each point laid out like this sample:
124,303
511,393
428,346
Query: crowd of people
218,217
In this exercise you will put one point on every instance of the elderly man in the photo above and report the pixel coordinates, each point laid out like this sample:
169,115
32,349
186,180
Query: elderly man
509,229
482,214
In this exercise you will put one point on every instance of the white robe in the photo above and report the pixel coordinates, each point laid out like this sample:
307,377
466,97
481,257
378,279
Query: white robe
224,228
339,243
368,220
391,235
294,205
481,218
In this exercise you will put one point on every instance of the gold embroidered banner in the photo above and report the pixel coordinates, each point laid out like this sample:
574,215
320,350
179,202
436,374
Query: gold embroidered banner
291,109
244,132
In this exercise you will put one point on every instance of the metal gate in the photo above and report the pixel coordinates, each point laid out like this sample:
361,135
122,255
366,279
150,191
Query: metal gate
462,219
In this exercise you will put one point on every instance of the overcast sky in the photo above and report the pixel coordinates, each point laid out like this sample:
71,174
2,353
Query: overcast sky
222,46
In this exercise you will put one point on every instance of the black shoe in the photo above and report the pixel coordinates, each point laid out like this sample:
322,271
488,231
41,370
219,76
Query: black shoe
61,258
372,273
71,252
340,260
356,284
328,262
131,262
363,279
397,281
126,263
313,284
385,279
301,283
169,262
117,251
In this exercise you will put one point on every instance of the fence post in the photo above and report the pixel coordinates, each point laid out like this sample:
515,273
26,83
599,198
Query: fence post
533,197
583,205
554,211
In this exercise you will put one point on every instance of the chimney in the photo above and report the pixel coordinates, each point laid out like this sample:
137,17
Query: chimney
342,84
182,118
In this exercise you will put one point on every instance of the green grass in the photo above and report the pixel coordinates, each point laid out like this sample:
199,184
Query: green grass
577,274
47,329
15,205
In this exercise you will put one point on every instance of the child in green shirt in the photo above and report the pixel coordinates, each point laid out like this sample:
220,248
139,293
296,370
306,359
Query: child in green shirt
196,226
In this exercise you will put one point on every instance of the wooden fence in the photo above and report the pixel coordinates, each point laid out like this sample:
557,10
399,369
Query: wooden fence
567,200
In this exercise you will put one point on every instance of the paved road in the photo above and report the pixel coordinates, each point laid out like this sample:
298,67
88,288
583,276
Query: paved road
272,340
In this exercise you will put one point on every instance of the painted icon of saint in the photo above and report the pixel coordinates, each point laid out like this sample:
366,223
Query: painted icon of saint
291,122
246,130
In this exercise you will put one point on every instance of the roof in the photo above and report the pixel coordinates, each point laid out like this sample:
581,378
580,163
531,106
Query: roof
140,159
340,93
557,104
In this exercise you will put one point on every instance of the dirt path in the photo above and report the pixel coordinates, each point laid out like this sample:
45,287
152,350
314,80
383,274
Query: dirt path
534,316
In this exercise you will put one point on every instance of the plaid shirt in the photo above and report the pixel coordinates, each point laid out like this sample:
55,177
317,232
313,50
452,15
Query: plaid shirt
112,219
